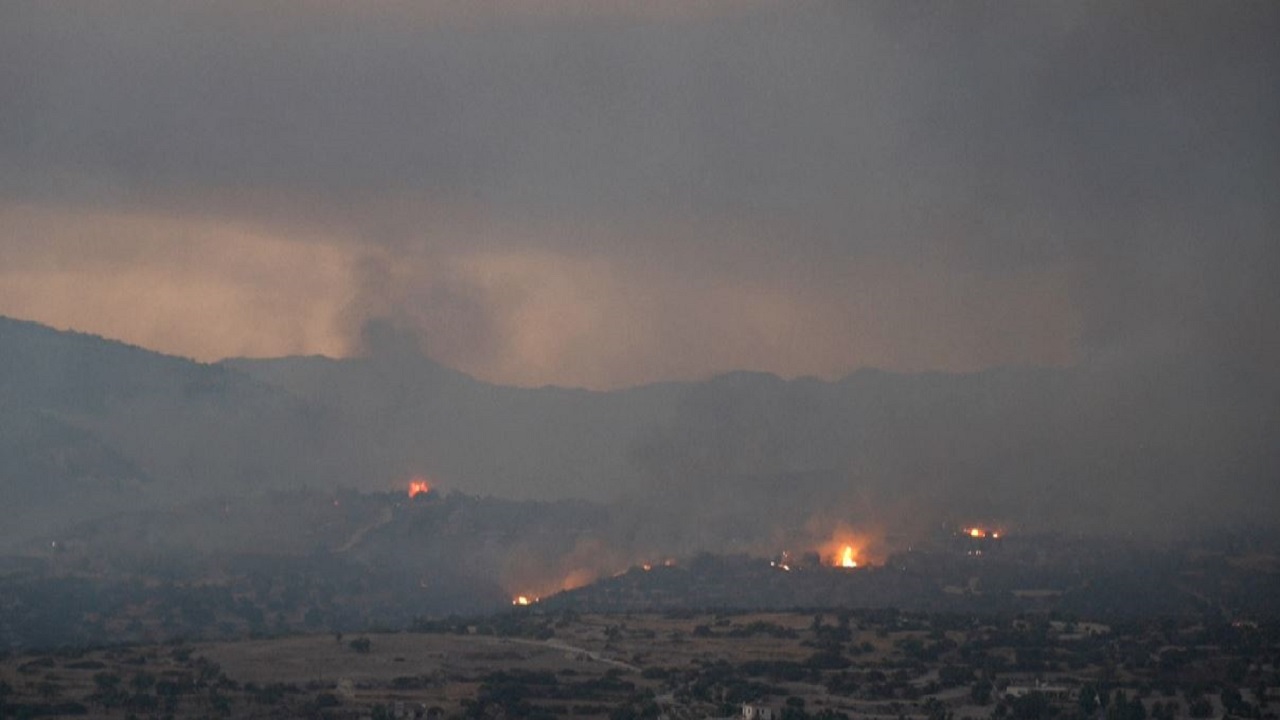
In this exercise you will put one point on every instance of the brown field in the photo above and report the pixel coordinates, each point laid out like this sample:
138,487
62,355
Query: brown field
432,669
589,666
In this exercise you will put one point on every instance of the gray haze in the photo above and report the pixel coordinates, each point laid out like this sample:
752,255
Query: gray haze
742,462
610,194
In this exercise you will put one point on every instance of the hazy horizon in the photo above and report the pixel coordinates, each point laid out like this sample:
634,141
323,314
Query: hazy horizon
1053,226
607,194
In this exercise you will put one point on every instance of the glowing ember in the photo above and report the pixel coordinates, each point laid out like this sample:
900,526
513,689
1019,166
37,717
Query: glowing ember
523,600
419,487
846,557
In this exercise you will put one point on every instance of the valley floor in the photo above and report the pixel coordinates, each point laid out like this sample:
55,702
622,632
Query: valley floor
529,663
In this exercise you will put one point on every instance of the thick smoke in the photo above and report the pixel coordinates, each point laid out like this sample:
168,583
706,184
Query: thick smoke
607,197
603,196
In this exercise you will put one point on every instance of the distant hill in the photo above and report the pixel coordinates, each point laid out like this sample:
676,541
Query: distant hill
88,425
745,458
412,415
707,445
736,463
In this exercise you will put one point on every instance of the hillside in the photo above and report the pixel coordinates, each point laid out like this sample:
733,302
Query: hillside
412,415
89,425
736,463
742,457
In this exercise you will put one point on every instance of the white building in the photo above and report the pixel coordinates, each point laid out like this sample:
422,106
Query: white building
758,711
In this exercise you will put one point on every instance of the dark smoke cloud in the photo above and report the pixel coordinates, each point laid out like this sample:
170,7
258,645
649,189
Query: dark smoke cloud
591,192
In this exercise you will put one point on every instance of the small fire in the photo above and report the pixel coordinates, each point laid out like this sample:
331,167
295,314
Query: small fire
418,486
523,600
981,533
849,548
977,533
846,557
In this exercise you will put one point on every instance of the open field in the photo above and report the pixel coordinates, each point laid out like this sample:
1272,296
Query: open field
529,663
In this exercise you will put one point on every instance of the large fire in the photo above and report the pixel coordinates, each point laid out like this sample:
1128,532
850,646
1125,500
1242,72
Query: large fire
841,551
846,557
418,486
523,600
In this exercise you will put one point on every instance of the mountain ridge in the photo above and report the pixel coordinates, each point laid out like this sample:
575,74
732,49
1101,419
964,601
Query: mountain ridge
699,461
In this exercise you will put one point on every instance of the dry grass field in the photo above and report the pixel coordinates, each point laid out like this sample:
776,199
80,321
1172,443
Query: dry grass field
681,666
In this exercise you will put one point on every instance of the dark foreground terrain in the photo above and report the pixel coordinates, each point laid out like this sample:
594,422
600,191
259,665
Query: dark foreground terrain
528,662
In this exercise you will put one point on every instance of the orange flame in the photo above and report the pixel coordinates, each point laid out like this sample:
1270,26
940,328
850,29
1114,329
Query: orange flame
524,600
846,557
418,487
848,548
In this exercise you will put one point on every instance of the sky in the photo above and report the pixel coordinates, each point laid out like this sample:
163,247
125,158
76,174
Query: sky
603,194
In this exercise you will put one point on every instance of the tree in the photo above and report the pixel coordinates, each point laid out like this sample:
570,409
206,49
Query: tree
220,703
1118,709
48,690
106,681
108,691
142,681
1200,707
937,710
1031,706
981,692
1088,700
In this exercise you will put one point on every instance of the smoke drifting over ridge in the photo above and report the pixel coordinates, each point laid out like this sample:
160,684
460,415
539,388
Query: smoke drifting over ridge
608,194
603,195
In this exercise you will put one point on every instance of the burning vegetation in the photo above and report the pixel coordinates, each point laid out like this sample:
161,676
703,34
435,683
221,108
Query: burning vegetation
846,549
418,486
846,557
